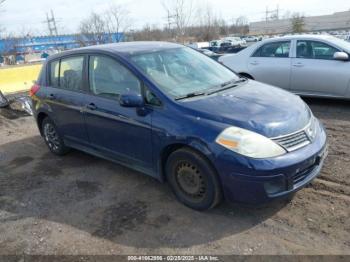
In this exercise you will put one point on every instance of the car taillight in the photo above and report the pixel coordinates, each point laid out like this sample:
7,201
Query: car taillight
35,88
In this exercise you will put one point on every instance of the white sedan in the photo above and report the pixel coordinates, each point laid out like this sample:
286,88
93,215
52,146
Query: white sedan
307,65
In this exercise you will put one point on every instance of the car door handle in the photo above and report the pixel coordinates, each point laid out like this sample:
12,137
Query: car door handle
254,63
298,65
51,97
91,106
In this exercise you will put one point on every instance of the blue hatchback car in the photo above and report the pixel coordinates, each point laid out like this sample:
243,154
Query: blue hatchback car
178,116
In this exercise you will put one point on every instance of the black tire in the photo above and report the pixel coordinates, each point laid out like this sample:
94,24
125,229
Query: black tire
52,137
193,180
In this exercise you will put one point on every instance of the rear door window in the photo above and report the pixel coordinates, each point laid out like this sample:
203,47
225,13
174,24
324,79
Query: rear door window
276,50
71,73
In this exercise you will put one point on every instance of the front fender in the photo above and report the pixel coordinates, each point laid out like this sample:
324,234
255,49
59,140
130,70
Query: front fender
208,151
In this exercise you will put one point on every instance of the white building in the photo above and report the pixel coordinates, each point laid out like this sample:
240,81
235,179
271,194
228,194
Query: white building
336,21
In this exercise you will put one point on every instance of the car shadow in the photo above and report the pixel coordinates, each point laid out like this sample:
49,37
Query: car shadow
110,201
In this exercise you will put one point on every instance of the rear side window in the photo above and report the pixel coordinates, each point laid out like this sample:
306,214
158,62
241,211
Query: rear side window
276,49
67,73
54,73
110,79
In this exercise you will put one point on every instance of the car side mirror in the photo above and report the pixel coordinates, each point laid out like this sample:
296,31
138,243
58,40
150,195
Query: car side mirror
341,56
131,100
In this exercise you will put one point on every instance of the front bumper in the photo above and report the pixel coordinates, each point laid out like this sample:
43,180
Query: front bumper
257,181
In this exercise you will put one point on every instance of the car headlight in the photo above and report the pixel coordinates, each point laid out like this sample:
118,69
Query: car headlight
249,143
311,130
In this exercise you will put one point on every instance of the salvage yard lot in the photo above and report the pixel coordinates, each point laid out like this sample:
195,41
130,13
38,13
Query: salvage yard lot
79,204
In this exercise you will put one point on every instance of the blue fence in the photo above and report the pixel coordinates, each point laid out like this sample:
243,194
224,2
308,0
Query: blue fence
61,42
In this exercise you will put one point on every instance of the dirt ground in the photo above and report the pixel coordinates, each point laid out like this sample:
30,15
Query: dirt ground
79,204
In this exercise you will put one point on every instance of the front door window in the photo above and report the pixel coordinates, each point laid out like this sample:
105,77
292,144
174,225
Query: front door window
109,78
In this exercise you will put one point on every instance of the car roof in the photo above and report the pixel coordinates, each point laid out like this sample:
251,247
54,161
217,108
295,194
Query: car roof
305,36
124,48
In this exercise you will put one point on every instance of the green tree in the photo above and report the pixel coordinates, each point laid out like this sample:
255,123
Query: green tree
298,23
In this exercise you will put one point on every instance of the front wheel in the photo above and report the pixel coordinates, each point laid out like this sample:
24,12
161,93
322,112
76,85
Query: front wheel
193,180
52,138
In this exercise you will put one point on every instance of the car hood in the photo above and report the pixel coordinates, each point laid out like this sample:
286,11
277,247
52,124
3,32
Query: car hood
261,108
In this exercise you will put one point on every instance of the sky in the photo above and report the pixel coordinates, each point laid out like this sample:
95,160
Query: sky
23,16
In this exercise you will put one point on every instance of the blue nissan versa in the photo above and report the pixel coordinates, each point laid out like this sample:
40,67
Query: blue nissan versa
177,115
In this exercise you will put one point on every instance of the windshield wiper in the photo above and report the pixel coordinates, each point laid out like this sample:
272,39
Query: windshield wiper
189,95
228,85
233,82
224,86
241,80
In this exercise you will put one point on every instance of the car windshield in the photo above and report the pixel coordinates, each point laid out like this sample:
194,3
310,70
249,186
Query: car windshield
182,71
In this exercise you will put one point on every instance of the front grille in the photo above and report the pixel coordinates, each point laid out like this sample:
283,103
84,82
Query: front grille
294,141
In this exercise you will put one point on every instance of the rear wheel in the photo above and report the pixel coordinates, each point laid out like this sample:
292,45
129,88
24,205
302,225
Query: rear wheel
52,137
193,180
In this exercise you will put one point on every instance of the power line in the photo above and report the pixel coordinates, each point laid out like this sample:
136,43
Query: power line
272,14
51,24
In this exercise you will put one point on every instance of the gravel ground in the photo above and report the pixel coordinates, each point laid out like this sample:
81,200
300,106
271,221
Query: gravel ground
79,204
